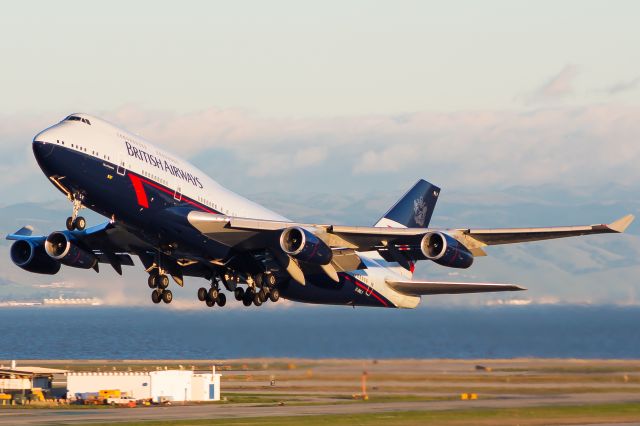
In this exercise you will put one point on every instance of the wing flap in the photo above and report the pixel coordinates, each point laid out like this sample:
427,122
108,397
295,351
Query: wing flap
420,288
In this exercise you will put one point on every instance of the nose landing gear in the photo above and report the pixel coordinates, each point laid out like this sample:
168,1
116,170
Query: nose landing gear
75,221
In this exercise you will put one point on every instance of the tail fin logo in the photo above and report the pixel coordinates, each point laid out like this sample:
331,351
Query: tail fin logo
419,210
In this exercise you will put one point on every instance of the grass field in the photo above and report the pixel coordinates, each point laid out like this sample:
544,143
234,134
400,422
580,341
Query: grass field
569,415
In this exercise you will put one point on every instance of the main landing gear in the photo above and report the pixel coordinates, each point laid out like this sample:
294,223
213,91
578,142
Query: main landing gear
255,295
213,296
159,284
75,221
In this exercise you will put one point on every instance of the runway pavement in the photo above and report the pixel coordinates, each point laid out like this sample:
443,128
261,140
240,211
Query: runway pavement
212,411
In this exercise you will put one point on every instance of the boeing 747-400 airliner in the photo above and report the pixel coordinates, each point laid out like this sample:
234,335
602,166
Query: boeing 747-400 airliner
179,222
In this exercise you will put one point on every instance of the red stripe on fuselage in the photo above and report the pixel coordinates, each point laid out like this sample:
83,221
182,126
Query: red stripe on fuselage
167,191
139,189
366,289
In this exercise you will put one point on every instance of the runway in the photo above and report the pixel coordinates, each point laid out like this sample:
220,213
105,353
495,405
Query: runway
192,412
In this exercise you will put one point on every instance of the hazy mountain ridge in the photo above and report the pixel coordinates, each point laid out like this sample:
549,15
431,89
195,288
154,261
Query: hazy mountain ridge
594,269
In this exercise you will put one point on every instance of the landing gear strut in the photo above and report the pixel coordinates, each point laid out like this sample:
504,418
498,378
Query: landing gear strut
75,221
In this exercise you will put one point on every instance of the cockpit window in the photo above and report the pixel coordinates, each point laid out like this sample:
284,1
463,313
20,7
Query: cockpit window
74,118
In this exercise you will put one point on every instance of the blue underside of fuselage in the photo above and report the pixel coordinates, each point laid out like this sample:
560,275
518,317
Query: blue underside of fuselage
111,192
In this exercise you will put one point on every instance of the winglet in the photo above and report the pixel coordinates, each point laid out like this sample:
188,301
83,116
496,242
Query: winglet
622,224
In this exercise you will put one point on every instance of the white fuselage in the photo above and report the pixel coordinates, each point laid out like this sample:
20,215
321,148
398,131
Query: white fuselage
105,141
123,151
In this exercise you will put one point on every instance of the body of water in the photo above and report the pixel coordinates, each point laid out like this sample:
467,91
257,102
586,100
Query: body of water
319,332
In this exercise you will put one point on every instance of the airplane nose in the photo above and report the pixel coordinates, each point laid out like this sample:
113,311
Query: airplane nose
42,151
43,148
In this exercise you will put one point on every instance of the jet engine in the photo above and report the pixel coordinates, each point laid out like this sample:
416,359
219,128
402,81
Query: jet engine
303,245
30,256
445,250
62,247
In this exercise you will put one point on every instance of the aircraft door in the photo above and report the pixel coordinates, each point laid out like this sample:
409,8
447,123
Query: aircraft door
177,195
369,288
120,167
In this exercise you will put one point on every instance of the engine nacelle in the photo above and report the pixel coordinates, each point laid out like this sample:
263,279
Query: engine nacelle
31,257
445,250
62,247
303,245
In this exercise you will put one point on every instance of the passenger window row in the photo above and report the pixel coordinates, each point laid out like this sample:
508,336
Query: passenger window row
155,178
207,203
78,147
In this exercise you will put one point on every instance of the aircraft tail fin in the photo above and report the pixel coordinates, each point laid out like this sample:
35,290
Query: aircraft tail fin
414,209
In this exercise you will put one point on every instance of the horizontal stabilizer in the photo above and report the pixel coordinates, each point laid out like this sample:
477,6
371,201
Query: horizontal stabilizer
419,288
24,232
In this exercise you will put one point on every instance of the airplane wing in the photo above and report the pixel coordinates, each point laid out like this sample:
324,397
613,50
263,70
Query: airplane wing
401,245
419,288
109,243
241,231
477,238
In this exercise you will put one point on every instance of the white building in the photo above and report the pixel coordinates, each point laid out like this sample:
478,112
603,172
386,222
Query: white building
161,385
24,378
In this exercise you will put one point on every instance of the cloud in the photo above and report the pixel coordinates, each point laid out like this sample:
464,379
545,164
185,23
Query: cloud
557,87
567,147
622,86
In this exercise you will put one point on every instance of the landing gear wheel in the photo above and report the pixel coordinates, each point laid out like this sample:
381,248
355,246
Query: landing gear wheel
156,296
70,223
202,294
221,300
257,300
167,296
271,280
213,293
151,282
274,295
210,303
80,223
263,295
238,293
162,281
247,298
257,279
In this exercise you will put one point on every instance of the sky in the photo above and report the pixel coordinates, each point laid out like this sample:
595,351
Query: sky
330,58
504,104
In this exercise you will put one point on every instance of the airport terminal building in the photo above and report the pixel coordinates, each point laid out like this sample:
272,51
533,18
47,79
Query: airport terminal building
157,386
